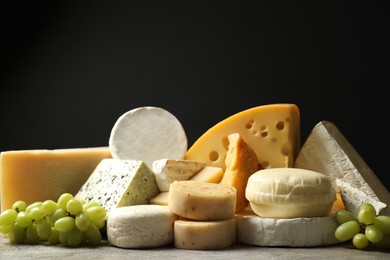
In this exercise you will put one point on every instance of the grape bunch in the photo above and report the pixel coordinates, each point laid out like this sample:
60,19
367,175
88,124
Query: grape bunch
365,229
67,221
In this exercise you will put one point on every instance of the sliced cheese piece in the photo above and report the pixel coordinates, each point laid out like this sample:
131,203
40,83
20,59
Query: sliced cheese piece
326,150
169,170
204,235
140,226
273,132
208,174
160,199
147,134
202,200
118,183
38,175
290,193
291,232
241,162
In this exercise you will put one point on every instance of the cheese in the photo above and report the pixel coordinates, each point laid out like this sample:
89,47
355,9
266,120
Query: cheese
202,200
118,183
38,175
167,171
140,226
241,162
208,174
290,193
273,132
204,235
326,150
160,199
291,232
147,134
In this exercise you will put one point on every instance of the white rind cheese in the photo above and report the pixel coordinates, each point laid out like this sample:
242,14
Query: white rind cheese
168,171
140,226
292,232
117,183
326,150
147,134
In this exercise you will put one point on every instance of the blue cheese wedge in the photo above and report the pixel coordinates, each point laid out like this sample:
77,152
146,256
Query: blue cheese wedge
117,183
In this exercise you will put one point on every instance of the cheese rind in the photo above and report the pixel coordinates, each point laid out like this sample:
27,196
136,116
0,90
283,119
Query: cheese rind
117,183
168,170
202,200
140,226
326,150
273,132
38,175
204,235
290,193
291,232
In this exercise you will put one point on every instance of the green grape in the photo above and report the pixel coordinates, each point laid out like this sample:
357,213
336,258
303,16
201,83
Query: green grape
360,241
384,243
343,216
367,215
59,213
373,233
33,205
32,234
347,230
10,236
8,217
366,205
6,229
89,204
93,235
63,200
383,222
100,223
82,221
75,237
96,213
65,224
43,229
54,237
18,234
63,237
19,205
36,214
48,207
23,219
74,206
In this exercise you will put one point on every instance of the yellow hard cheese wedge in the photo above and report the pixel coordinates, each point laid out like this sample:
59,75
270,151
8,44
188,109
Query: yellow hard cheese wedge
37,175
204,235
290,193
209,174
241,162
273,132
202,200
160,199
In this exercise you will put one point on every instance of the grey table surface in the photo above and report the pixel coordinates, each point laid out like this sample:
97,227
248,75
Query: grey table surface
106,251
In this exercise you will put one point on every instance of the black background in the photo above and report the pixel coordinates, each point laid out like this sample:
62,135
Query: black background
69,70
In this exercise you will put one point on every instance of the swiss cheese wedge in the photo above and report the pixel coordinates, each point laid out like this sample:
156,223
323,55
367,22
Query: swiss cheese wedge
273,132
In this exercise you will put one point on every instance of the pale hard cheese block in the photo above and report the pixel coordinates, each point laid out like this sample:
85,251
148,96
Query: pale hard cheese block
326,150
117,183
290,193
291,232
202,200
160,199
273,132
38,175
241,162
209,174
204,235
147,134
169,170
141,226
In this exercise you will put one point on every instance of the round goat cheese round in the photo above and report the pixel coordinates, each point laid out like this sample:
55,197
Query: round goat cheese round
140,226
290,193
148,134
